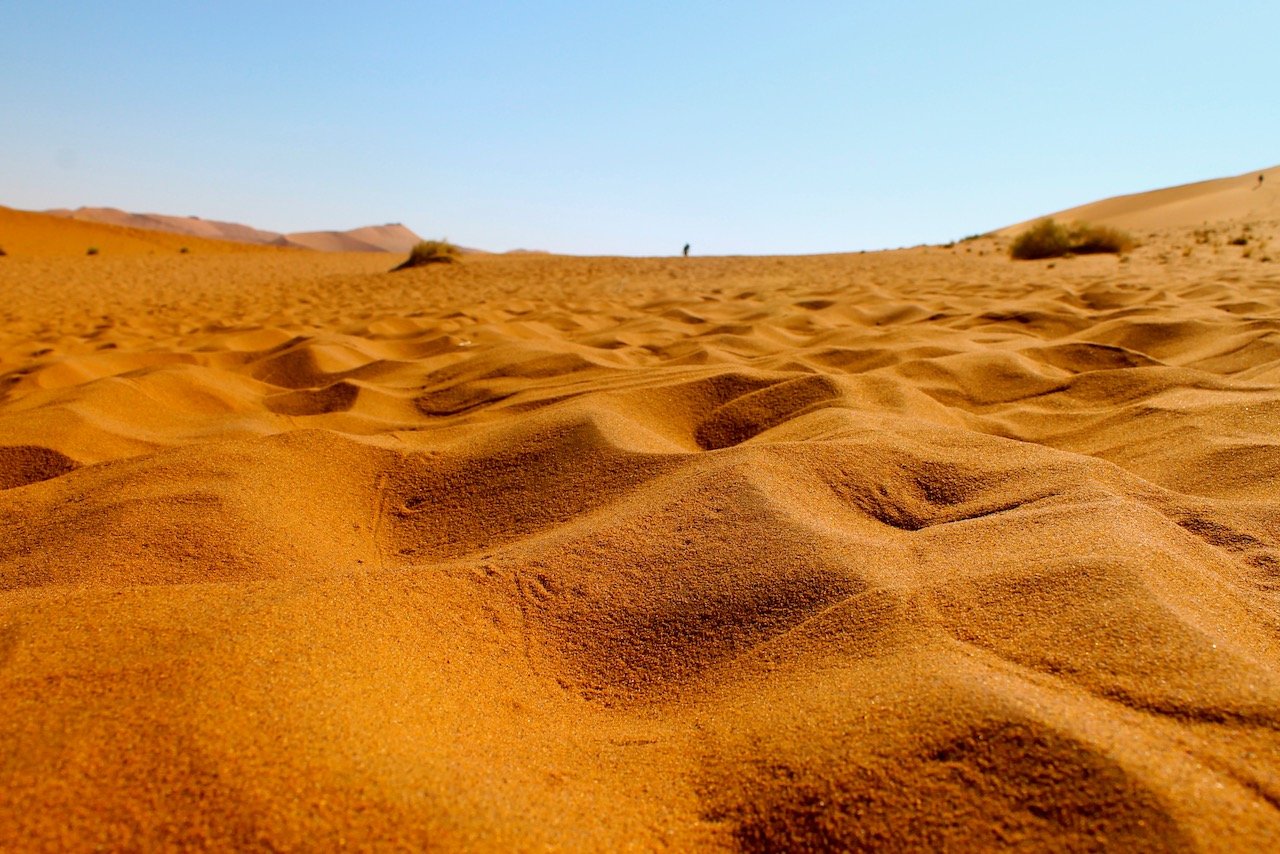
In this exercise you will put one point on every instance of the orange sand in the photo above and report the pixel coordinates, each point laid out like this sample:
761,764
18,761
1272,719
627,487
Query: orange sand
924,549
373,238
1241,198
27,234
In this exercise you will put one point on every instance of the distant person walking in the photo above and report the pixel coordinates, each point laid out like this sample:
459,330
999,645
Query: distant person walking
686,250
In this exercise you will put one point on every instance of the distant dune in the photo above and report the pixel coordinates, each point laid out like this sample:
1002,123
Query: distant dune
25,233
210,229
1238,198
393,237
372,238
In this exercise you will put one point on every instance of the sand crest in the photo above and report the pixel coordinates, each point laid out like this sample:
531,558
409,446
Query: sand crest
1251,197
923,549
392,237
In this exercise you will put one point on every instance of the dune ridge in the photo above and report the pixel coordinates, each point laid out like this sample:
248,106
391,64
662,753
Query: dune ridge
37,235
393,237
914,550
1240,198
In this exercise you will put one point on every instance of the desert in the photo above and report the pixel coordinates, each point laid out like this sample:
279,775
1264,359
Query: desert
920,549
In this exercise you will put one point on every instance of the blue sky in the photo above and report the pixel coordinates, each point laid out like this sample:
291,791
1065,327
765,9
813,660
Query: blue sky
630,128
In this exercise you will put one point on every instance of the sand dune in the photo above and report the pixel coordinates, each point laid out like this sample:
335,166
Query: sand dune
916,550
1240,199
394,237
190,225
37,235
373,238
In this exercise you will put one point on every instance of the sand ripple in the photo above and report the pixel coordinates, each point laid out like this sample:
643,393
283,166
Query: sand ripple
912,550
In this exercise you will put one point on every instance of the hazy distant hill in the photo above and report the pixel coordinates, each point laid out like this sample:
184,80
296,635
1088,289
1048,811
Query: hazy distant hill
31,234
371,238
393,237
1241,197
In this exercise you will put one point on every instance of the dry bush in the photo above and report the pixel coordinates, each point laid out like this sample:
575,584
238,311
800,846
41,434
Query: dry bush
430,252
1048,239
1093,239
1045,239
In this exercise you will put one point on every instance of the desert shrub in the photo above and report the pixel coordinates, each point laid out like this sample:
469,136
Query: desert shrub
184,250
1092,239
1045,239
2,252
92,250
1240,241
1048,239
430,252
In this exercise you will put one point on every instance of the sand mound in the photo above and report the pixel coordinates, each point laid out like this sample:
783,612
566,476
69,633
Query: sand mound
189,225
916,550
373,238
26,234
1241,198
393,237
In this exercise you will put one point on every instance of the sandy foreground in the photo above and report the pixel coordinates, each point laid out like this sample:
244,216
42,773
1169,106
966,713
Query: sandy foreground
919,549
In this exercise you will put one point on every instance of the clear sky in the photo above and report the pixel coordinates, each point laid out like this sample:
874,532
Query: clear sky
630,127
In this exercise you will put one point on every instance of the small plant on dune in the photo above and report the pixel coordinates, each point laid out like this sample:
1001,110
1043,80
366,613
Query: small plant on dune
1239,241
2,252
184,250
1048,239
1045,239
1095,239
430,252
92,250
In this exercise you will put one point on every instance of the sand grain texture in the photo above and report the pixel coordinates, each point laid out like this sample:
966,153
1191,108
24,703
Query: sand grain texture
919,550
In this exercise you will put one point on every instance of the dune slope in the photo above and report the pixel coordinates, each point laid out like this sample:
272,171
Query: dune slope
1240,198
393,237
914,550
374,238
189,225
39,235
